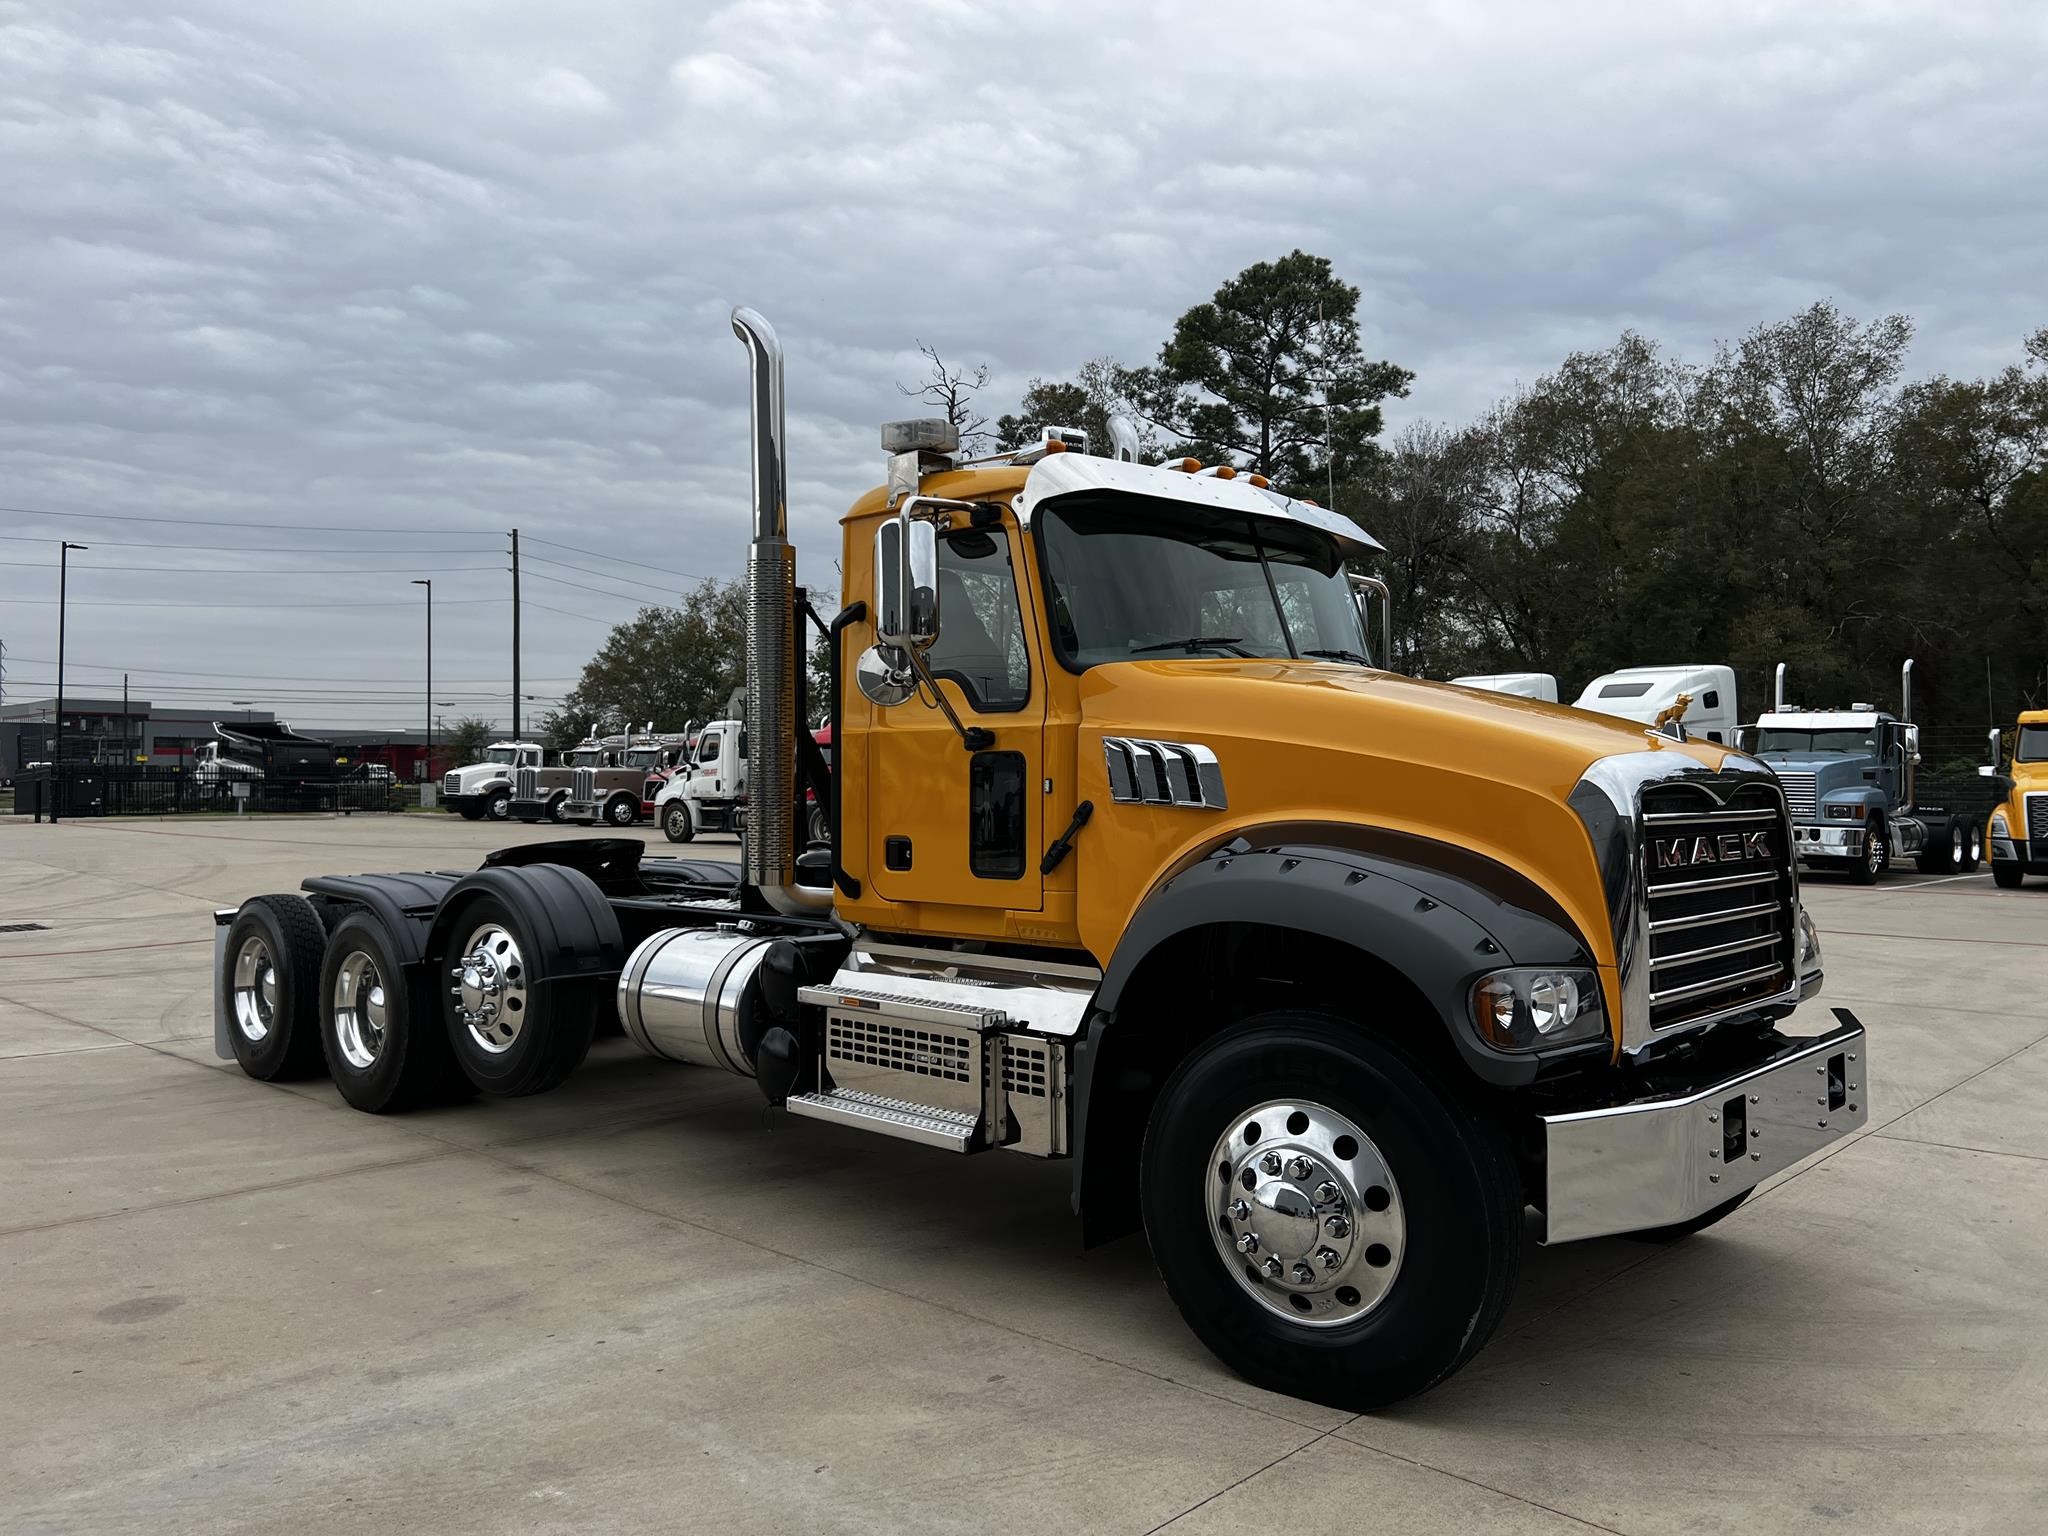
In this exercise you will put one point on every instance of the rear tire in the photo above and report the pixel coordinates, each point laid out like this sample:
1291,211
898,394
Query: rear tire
538,1027
820,825
1945,849
1973,854
385,1049
677,825
1418,1218
270,986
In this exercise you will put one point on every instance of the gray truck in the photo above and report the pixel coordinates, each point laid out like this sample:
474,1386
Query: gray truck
1850,778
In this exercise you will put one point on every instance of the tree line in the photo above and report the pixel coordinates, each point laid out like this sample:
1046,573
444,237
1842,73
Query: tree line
1794,497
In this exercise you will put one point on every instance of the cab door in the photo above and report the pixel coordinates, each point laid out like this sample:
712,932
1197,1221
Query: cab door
946,826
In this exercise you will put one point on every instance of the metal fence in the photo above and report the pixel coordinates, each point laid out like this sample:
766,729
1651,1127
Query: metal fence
148,789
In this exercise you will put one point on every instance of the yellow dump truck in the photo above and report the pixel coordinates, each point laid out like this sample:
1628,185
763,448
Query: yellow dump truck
2018,829
1137,856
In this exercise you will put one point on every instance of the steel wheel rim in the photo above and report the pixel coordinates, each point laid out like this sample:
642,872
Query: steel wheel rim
1874,855
500,807
1958,850
255,989
490,988
678,818
621,814
361,1010
1312,1235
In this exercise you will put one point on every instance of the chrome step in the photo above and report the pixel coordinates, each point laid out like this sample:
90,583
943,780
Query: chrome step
923,1123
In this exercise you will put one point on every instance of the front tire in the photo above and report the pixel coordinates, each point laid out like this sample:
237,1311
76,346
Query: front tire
270,986
2006,877
1395,1212
498,805
470,811
622,810
1877,854
820,825
555,804
677,824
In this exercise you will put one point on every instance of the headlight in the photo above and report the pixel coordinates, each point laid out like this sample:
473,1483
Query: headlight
1532,1006
1809,942
1844,812
1998,826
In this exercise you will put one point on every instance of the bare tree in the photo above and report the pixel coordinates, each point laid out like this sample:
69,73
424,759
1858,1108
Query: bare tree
952,390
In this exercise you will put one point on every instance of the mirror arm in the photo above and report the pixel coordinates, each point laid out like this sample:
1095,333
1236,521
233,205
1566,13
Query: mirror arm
974,738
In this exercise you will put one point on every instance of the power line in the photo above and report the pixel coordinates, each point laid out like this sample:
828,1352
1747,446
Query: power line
76,602
212,522
354,549
624,597
594,554
631,581
565,613
274,677
256,570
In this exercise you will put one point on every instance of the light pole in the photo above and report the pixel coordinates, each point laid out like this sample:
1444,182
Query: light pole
64,549
428,583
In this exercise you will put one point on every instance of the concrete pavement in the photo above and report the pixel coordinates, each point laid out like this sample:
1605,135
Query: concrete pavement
645,1302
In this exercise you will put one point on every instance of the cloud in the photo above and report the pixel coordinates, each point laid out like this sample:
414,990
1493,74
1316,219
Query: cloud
461,268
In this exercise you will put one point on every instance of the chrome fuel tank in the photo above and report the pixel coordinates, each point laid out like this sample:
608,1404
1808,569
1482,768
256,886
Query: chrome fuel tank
690,994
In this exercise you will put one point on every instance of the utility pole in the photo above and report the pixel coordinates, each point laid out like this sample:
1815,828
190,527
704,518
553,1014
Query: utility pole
515,635
127,752
428,583
64,549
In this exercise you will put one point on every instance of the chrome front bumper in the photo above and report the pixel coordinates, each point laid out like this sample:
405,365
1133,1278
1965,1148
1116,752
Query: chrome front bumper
1828,841
1660,1161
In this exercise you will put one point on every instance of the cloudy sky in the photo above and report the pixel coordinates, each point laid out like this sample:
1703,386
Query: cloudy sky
386,278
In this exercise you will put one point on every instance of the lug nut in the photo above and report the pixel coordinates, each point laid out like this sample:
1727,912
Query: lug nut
1337,1226
456,973
1239,1210
1273,1266
1270,1163
1300,1168
1248,1243
1303,1274
1326,1192
1329,1258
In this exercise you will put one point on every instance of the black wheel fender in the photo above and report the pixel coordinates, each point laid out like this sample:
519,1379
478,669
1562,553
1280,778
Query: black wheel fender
566,912
1437,917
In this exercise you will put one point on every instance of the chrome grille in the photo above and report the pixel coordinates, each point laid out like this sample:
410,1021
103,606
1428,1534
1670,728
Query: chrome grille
2037,818
1800,799
528,785
584,785
452,784
1718,879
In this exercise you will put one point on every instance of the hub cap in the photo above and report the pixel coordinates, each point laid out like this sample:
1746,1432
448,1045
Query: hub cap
490,989
1305,1213
255,989
360,1018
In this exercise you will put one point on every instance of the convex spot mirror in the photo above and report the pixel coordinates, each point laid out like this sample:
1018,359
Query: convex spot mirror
906,583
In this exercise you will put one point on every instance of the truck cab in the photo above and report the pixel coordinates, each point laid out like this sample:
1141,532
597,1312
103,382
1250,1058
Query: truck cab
1851,781
2018,826
708,792
1519,685
1645,694
1139,858
484,788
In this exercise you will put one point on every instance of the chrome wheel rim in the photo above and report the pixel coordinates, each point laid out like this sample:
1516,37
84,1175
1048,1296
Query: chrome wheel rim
1305,1213
678,818
255,989
361,1013
490,988
622,814
1874,854
1957,848
500,807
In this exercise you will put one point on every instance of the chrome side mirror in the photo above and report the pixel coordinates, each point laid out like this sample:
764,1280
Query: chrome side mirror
1370,592
906,583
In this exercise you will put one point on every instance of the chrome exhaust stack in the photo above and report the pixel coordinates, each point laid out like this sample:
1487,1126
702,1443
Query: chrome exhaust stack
1906,691
768,861
1778,691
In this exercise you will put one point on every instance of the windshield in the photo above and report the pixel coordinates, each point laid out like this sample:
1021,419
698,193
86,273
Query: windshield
2033,744
590,759
499,755
644,757
1133,577
1857,741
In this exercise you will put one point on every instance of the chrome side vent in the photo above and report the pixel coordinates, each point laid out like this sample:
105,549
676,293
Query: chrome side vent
528,785
1143,772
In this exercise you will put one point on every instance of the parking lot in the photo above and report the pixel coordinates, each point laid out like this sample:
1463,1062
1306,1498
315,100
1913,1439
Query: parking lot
644,1302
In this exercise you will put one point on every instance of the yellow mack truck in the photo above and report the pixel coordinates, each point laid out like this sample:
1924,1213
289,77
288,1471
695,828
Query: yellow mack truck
1138,857
2018,828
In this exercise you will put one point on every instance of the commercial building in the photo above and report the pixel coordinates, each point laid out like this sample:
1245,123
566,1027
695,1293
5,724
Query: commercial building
114,730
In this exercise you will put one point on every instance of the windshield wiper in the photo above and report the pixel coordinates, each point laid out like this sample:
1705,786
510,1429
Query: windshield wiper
1341,655
1231,643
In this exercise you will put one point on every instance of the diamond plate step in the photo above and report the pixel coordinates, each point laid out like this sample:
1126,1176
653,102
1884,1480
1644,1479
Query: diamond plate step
888,1117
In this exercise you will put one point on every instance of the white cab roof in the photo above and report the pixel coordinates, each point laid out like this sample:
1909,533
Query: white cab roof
1819,720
